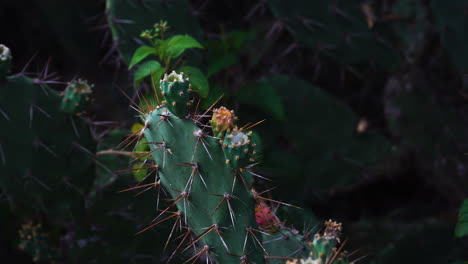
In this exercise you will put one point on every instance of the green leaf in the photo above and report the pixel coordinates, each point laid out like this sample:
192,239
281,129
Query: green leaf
176,45
215,93
143,16
461,229
146,69
141,53
218,64
235,41
452,23
197,79
139,171
263,95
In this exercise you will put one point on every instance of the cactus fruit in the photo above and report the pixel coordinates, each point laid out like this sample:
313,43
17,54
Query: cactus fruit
34,241
323,247
76,96
238,149
222,121
266,218
176,89
5,61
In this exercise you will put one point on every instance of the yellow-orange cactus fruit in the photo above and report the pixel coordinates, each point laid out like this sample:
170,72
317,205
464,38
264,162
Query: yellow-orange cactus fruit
222,120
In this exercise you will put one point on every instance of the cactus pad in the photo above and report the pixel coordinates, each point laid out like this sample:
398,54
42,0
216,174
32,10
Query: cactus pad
206,196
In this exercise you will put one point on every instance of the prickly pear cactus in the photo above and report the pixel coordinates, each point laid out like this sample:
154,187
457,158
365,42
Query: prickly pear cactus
207,171
45,163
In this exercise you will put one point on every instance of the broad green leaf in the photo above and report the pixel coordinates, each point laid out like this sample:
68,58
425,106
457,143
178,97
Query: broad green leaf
263,95
197,79
218,64
461,229
157,75
139,171
215,93
143,15
235,41
176,45
452,22
144,70
136,127
141,53
141,146
161,47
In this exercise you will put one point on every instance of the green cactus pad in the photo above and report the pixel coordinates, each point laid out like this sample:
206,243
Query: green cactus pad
176,89
76,96
238,149
52,147
286,243
194,172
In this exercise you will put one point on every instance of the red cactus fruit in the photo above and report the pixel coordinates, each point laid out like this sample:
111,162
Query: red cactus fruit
266,218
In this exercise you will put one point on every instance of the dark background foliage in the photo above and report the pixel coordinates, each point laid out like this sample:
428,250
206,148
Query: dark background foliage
366,105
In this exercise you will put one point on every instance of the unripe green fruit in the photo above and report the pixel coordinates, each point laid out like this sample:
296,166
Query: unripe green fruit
238,149
176,90
76,96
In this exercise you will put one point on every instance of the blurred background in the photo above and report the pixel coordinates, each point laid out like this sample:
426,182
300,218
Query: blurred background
366,108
